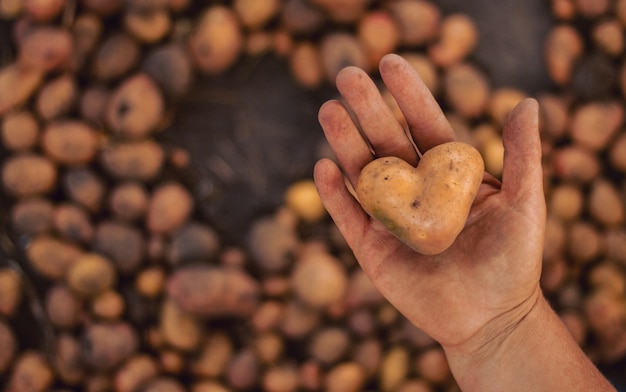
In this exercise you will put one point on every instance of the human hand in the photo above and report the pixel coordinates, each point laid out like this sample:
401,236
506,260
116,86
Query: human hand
488,280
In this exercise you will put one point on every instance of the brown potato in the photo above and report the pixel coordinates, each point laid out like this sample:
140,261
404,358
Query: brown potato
574,163
302,198
217,41
171,68
107,345
43,10
608,35
87,30
605,203
592,8
57,97
419,21
45,49
93,103
584,242
207,290
52,257
108,305
300,17
124,244
128,201
609,276
193,242
179,328
319,279
563,47
566,201
20,131
70,142
466,90
269,347
563,9
68,361
214,356
244,370
135,108
148,26
169,209
73,222
17,84
162,383
10,291
394,368
115,57
91,274
272,242
10,9
368,354
594,125
614,243
299,319
617,153
8,342
150,282
139,160
432,366
85,187
267,315
31,373
254,14
280,378
135,372
306,66
63,307
435,197
378,34
329,345
457,39
345,377
32,216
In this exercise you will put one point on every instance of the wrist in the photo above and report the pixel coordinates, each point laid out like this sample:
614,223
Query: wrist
484,352
534,352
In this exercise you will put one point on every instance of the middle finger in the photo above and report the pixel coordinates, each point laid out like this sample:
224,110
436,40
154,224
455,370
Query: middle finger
378,123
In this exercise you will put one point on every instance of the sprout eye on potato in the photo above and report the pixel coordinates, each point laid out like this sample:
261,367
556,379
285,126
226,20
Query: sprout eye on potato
426,207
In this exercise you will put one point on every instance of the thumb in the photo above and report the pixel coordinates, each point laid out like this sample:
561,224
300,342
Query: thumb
522,176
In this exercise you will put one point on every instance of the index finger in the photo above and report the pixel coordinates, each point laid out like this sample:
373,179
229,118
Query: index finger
427,123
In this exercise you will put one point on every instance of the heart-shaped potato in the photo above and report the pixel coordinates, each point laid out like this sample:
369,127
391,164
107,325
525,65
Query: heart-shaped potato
425,207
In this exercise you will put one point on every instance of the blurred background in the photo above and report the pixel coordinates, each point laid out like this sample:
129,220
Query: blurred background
159,227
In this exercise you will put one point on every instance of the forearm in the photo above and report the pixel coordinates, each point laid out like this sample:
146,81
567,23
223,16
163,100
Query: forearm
537,354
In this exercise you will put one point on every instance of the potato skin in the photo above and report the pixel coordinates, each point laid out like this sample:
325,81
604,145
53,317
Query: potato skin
425,206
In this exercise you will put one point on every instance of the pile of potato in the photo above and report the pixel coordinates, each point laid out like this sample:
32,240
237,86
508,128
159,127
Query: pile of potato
142,295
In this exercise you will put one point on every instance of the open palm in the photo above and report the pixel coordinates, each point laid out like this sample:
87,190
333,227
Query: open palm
489,278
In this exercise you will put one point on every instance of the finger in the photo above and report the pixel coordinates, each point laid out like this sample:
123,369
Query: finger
350,218
350,148
377,121
427,123
522,176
